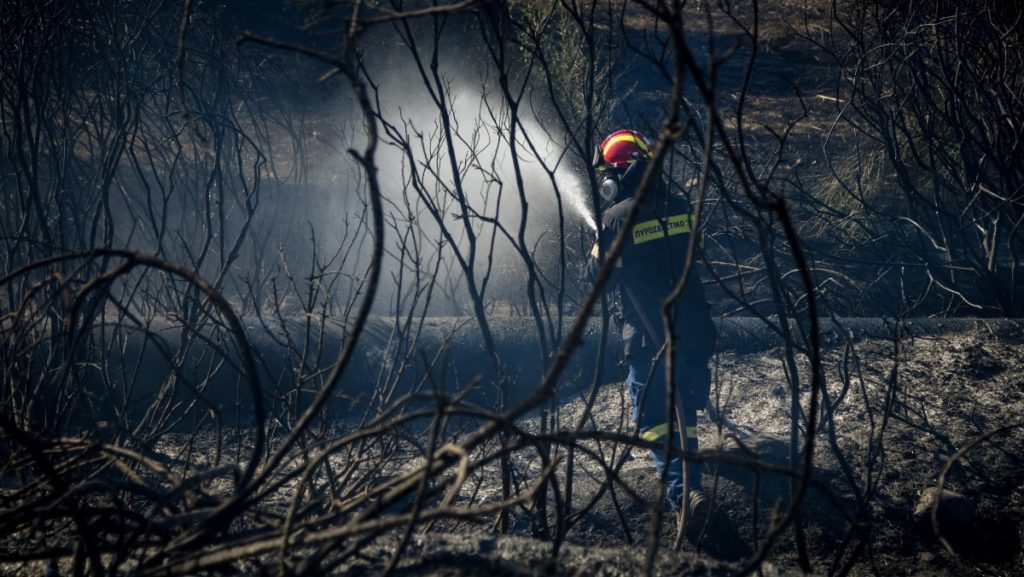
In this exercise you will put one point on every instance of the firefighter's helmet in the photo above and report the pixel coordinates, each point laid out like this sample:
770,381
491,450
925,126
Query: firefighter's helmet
616,157
621,149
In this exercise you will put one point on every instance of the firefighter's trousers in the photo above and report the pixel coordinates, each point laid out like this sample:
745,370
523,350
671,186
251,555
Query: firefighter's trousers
650,413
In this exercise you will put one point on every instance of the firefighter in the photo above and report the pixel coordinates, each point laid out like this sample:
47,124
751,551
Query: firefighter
651,264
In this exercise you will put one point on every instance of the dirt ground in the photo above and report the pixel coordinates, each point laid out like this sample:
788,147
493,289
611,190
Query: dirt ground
939,403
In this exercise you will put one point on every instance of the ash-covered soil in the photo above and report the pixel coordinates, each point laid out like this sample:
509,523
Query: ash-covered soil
905,414
899,417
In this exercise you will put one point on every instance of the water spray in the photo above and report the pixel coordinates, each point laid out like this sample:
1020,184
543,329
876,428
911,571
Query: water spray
575,195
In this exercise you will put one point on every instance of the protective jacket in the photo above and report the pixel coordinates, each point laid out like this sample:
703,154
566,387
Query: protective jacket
651,264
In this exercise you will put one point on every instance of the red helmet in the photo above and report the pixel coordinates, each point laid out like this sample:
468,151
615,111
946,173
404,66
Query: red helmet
621,149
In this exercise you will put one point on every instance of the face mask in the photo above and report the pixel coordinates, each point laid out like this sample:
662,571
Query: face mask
609,188
613,183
